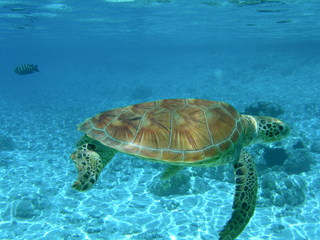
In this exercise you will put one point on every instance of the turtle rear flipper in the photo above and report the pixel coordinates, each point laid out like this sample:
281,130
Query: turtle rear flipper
245,197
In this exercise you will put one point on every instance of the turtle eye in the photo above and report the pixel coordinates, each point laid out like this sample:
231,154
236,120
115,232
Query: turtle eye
283,129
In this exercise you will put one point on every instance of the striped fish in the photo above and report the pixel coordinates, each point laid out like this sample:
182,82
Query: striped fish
23,69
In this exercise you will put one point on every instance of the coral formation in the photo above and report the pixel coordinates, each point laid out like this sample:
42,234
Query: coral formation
299,160
280,189
274,156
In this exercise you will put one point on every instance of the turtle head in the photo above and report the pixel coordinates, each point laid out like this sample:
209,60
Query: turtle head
270,129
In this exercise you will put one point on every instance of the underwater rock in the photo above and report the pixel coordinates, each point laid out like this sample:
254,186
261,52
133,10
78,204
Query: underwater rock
6,143
25,209
299,144
182,183
29,205
274,156
263,108
298,161
178,184
280,189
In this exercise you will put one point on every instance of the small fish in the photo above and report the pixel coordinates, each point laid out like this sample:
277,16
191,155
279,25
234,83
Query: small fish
23,69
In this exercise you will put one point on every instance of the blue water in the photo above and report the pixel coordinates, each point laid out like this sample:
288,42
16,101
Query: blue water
97,55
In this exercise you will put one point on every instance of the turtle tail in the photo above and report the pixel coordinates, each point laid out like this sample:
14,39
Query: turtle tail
245,197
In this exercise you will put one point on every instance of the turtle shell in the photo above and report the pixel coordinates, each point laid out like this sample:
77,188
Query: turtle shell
172,130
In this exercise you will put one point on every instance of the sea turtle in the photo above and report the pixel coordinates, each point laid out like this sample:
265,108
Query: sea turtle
181,133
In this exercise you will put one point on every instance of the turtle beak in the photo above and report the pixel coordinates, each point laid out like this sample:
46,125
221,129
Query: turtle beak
284,129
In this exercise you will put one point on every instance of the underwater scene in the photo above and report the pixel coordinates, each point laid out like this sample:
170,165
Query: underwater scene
159,119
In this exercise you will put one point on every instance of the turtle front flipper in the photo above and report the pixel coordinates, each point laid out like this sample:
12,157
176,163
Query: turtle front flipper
245,197
90,158
171,171
89,165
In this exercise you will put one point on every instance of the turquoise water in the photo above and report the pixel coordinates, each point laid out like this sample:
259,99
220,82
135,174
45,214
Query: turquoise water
97,55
